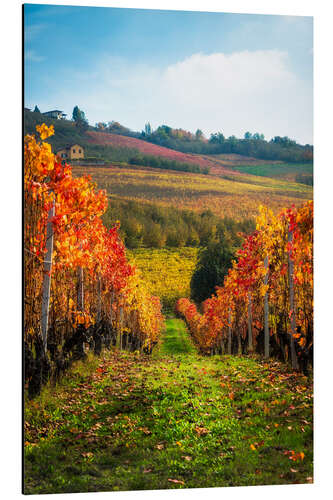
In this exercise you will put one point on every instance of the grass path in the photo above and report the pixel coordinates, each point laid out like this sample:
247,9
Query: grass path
172,420
176,339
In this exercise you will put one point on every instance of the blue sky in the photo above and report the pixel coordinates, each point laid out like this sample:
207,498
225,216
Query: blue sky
214,71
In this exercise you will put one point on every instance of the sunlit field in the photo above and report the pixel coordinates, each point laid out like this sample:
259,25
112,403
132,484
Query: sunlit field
238,196
167,272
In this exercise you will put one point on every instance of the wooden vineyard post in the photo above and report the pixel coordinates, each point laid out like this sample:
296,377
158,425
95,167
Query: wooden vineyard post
229,333
128,318
221,343
294,362
121,321
111,307
79,348
266,311
249,318
47,275
120,325
80,290
112,336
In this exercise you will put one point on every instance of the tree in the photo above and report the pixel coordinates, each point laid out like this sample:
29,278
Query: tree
76,113
153,236
247,135
213,264
36,110
148,129
217,138
80,119
199,135
101,125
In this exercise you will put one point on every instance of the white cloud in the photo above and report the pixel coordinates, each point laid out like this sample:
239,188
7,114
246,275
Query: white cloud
32,56
31,31
254,91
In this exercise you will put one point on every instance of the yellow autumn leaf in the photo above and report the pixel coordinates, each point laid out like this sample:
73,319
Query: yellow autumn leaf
45,131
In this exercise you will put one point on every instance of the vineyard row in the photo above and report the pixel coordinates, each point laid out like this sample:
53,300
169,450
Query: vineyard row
80,291
266,301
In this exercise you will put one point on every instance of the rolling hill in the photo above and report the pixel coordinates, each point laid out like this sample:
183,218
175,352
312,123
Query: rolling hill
237,196
105,139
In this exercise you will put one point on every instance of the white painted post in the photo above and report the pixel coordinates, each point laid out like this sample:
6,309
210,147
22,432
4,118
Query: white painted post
294,361
47,275
229,333
249,318
266,311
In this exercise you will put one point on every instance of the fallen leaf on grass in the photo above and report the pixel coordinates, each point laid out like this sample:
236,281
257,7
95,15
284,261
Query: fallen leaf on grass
187,458
160,446
294,456
201,431
79,436
87,454
177,481
252,447
145,430
146,471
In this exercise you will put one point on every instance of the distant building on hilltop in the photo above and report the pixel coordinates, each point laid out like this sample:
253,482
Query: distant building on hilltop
73,152
56,114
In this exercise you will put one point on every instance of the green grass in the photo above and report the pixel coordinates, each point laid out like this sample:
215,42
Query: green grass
126,422
176,339
287,171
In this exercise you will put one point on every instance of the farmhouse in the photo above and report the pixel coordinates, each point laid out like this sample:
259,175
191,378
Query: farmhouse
73,152
56,114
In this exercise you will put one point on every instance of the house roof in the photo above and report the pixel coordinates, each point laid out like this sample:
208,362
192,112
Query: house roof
70,146
53,111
